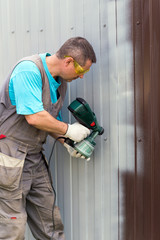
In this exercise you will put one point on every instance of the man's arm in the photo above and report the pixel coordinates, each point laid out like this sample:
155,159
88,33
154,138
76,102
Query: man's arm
44,121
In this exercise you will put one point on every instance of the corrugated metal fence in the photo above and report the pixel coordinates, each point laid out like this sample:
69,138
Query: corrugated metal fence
113,196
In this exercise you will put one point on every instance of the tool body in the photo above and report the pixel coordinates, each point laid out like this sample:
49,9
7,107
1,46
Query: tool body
82,112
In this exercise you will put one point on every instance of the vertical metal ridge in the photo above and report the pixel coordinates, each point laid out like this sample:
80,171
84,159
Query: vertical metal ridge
99,198
152,141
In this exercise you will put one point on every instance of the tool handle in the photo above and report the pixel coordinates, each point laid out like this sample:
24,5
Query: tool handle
69,142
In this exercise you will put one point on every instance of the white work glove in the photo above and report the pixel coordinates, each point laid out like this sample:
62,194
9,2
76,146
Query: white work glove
77,132
74,153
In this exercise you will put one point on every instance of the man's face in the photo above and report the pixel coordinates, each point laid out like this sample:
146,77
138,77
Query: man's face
71,73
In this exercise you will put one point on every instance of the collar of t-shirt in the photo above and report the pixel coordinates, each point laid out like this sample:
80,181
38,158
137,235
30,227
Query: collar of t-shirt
53,84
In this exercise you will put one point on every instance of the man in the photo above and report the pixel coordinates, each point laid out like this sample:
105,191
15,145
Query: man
30,103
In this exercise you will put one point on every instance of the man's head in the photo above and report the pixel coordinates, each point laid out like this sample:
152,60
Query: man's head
79,49
78,54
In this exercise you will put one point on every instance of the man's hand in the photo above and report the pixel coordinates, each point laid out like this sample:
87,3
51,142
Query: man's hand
77,132
74,153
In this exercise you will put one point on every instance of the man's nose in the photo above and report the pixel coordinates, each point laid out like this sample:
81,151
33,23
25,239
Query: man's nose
81,76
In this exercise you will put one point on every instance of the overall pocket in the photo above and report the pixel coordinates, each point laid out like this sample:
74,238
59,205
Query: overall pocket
10,172
11,167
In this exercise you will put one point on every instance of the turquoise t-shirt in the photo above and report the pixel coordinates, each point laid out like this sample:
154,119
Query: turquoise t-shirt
25,87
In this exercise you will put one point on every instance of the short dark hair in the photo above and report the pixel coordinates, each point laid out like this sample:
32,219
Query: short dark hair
78,48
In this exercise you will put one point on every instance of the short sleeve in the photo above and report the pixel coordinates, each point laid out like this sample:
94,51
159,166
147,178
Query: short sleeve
25,90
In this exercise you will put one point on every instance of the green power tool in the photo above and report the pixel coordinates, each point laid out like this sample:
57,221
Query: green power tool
82,112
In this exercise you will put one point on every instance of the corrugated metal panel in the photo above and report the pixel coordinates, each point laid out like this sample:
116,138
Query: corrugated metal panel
113,196
91,195
147,74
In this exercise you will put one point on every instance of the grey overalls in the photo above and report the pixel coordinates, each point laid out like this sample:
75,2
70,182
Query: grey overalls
25,188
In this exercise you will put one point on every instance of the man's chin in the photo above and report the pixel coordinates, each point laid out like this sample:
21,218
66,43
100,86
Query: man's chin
70,80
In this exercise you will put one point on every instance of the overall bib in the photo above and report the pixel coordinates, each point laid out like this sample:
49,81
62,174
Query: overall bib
26,193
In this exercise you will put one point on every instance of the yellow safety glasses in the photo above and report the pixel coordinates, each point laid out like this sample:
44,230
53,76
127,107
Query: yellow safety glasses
78,68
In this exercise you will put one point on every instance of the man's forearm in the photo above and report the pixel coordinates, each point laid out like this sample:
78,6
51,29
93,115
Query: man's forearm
44,121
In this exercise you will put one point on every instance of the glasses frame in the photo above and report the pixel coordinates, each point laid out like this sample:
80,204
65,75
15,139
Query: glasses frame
78,68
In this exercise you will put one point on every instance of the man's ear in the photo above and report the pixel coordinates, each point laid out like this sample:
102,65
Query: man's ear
68,60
